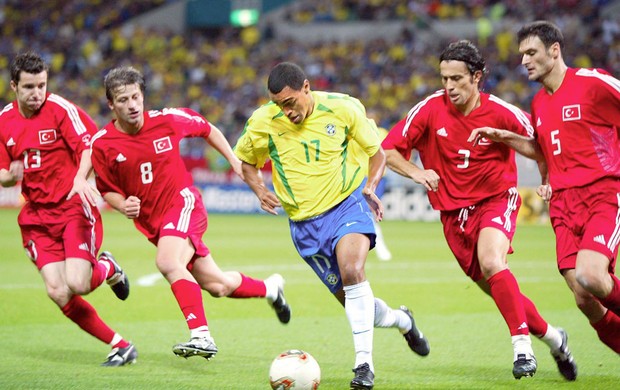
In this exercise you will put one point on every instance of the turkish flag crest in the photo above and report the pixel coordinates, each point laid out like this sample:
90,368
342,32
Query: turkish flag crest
162,145
47,136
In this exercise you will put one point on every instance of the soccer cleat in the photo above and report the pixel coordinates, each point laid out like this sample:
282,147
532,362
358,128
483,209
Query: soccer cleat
118,281
524,366
416,340
564,358
283,310
121,356
196,346
364,378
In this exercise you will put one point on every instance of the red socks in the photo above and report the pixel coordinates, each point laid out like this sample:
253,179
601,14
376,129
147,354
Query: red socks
85,316
508,298
538,326
189,296
100,274
612,301
249,288
608,330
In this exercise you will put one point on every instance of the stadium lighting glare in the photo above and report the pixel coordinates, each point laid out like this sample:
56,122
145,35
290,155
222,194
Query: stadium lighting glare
244,17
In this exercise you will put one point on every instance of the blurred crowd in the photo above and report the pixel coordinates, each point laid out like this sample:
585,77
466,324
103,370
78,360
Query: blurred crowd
222,73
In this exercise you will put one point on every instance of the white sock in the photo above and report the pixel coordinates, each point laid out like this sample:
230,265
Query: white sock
386,317
200,332
522,345
116,339
271,290
107,266
359,305
552,338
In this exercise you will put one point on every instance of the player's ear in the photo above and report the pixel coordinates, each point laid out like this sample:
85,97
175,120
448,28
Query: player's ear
13,86
306,87
477,76
554,50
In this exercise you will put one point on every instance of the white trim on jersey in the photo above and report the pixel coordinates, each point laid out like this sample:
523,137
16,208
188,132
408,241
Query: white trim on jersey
517,112
184,218
607,79
72,111
7,108
178,112
414,111
98,135
615,236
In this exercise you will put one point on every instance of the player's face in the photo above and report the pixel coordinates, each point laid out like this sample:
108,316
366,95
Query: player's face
461,86
30,92
296,105
538,60
128,105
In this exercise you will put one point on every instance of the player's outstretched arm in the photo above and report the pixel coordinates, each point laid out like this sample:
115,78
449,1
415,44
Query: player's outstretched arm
376,168
220,143
129,207
427,177
86,191
268,200
10,177
525,146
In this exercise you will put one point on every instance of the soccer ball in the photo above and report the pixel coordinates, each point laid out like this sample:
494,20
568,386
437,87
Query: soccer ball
294,369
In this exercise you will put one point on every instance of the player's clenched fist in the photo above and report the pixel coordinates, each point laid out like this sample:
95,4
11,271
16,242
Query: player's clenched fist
131,208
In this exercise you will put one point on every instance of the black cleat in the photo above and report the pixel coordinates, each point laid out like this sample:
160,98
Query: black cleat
416,340
283,310
564,358
121,356
364,378
118,281
524,366
196,346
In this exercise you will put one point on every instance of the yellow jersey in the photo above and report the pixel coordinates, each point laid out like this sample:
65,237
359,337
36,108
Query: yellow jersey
314,168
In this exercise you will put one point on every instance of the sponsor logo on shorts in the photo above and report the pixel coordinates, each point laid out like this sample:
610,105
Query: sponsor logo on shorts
332,279
600,239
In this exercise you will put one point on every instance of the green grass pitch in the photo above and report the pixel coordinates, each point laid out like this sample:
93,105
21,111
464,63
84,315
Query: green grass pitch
470,345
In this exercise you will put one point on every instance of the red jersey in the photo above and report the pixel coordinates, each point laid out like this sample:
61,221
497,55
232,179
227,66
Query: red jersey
50,143
468,173
147,164
577,128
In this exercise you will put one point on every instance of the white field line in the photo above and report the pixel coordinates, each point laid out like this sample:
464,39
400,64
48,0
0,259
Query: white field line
418,272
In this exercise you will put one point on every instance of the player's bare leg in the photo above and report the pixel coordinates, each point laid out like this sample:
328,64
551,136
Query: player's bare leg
351,252
605,322
493,246
173,256
84,314
234,284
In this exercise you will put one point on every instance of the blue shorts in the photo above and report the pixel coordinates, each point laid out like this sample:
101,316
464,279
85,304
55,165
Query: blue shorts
316,238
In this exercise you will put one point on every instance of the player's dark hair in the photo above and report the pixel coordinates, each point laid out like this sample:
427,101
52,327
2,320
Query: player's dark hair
466,52
546,31
29,62
120,77
285,74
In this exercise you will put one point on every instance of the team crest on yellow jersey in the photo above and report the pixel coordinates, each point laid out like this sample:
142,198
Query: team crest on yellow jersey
330,129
